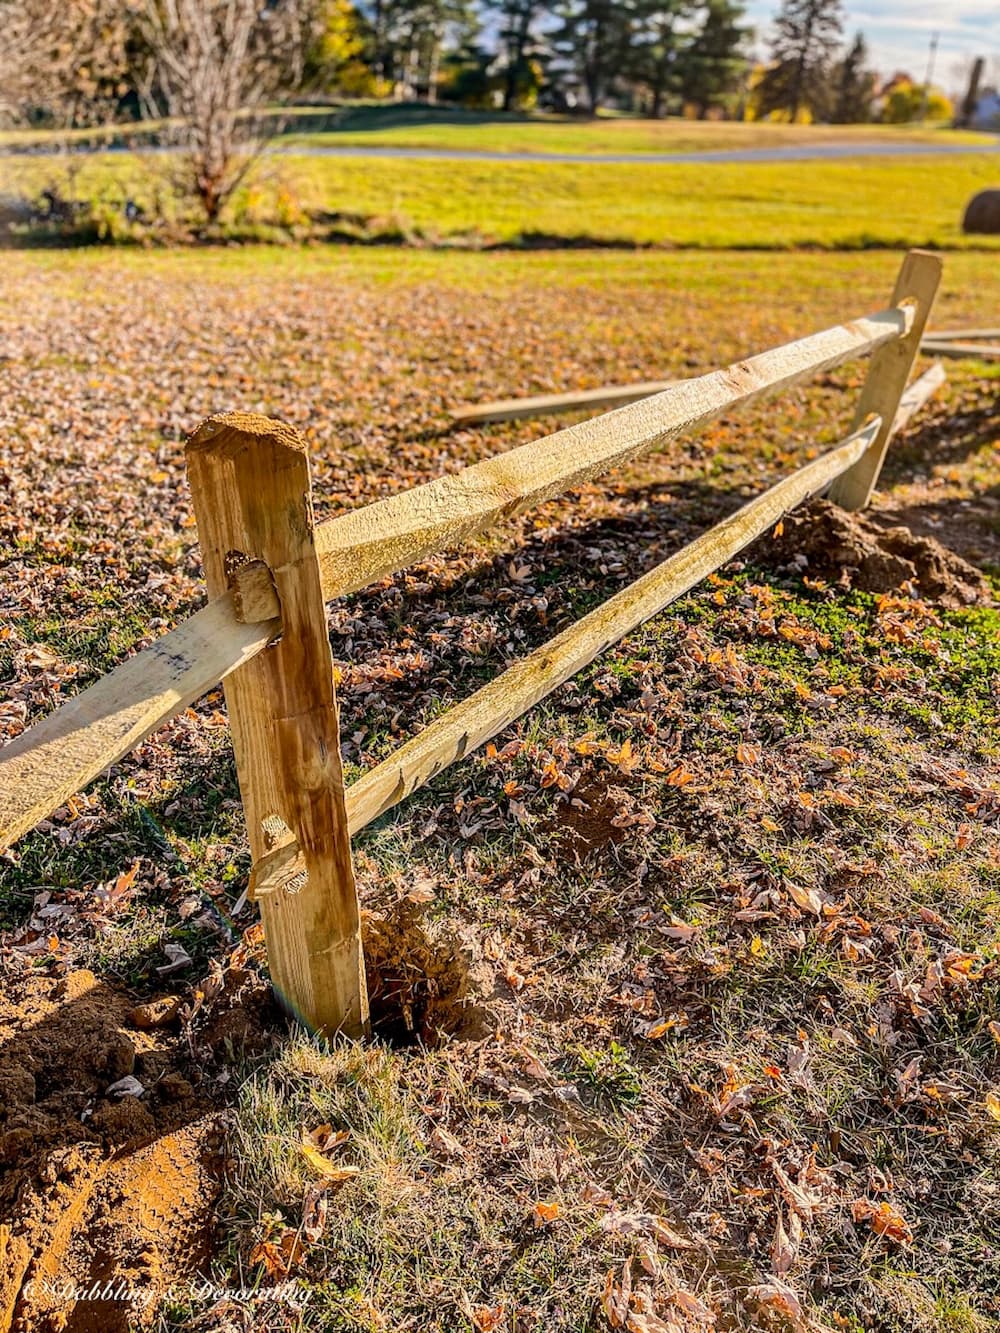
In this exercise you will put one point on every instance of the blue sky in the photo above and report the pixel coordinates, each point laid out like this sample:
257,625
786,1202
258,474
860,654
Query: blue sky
899,32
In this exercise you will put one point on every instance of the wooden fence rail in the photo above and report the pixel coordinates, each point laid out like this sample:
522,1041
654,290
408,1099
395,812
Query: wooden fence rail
270,569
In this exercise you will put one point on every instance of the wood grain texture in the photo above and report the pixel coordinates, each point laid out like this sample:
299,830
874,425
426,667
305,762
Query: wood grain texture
57,756
888,373
251,489
516,409
365,545
477,719
255,597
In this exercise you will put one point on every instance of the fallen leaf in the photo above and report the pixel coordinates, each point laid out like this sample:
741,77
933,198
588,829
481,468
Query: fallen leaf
808,899
884,1220
324,1167
615,1296
692,1306
544,1213
775,1295
645,1224
315,1206
129,1086
444,1142
785,1245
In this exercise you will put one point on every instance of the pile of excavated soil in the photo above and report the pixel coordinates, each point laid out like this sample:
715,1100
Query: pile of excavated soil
822,541
98,1188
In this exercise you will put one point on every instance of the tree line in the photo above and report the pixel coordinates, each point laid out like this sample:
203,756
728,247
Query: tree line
210,73
85,60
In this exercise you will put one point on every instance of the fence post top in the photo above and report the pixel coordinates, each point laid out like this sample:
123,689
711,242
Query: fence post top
230,429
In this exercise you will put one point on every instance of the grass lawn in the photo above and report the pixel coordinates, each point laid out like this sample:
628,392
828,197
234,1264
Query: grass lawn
872,202
409,126
724,910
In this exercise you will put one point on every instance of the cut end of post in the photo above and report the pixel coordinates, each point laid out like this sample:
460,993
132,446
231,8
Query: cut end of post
213,432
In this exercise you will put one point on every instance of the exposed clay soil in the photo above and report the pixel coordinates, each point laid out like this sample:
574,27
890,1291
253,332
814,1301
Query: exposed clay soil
586,820
823,541
97,1187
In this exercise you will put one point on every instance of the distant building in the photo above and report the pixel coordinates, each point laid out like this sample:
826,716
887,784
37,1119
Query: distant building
986,113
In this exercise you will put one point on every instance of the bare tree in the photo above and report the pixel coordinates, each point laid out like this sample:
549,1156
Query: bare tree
68,62
212,66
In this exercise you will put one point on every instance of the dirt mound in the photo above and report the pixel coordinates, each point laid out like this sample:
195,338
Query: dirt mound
825,542
97,1187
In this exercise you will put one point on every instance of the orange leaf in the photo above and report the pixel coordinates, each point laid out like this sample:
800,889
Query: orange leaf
544,1213
883,1219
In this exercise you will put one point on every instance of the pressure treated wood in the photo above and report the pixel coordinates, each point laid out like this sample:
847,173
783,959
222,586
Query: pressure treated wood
251,489
958,335
614,395
365,545
474,721
888,372
962,351
516,409
64,751
918,393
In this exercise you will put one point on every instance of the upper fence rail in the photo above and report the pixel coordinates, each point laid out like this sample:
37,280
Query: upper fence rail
64,751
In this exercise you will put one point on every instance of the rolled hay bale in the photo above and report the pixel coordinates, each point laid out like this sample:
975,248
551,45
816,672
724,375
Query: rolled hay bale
982,213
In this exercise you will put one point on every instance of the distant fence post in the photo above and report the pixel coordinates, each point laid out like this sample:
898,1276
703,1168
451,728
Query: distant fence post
252,496
888,373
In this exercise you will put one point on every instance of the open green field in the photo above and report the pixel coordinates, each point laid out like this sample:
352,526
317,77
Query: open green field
701,960
405,127
408,126
871,202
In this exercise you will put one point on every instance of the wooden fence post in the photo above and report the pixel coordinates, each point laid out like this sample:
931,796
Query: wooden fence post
250,483
888,373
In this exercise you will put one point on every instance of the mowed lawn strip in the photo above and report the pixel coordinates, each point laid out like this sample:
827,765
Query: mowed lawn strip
724,910
870,202
395,125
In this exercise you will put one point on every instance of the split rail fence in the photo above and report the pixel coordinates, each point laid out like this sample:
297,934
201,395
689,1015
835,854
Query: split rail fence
270,570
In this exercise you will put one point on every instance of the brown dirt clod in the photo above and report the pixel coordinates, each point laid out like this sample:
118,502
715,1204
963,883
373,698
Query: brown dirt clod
852,550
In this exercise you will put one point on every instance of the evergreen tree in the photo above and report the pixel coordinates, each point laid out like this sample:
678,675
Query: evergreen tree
410,36
807,33
517,18
595,39
714,63
853,85
655,45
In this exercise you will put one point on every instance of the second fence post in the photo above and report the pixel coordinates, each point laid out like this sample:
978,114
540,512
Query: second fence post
888,373
252,496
